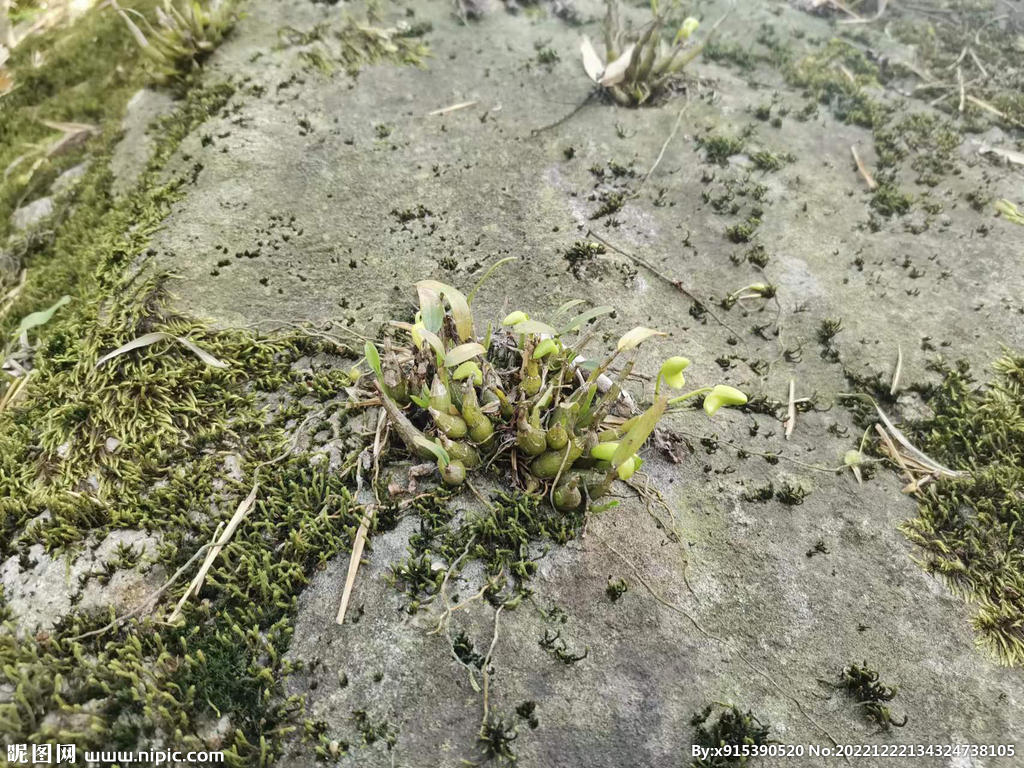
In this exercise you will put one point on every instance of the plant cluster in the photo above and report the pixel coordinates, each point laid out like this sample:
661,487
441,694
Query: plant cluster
522,395
640,65
185,32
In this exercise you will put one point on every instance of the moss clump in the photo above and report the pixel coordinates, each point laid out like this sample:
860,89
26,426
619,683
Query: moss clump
732,729
172,418
929,141
74,85
889,200
822,78
581,255
863,684
966,527
495,740
743,231
362,43
718,149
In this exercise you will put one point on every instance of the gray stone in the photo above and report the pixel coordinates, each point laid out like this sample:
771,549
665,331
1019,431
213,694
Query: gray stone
67,180
32,214
752,619
134,150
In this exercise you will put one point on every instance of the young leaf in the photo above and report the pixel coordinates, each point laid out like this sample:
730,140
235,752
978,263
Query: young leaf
584,318
487,274
434,448
535,326
639,432
40,318
592,63
152,338
462,353
431,308
636,337
566,307
373,360
461,313
616,70
435,344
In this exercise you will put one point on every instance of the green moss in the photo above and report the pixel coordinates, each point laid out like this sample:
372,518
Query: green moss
889,200
73,85
822,79
966,526
718,149
732,728
363,44
743,231
863,684
171,415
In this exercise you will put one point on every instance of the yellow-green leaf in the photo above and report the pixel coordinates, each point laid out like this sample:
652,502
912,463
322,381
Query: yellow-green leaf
463,353
639,432
40,318
373,360
461,313
636,337
536,327
431,308
582,319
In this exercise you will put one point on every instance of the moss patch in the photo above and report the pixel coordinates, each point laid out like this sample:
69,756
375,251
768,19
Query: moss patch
967,527
75,86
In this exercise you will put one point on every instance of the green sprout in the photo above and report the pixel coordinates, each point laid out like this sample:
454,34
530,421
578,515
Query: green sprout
1009,212
672,373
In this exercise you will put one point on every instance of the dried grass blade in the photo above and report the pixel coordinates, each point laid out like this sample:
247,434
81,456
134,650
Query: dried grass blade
152,338
236,519
920,456
872,184
898,371
791,412
452,108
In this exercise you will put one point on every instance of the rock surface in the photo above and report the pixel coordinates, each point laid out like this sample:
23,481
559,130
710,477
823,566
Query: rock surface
324,198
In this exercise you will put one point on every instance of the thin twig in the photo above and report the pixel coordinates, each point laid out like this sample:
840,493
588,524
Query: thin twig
677,284
872,184
364,524
487,661
791,411
452,108
664,146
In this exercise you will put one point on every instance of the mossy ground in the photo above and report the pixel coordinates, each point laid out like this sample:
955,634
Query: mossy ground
73,85
140,443
967,526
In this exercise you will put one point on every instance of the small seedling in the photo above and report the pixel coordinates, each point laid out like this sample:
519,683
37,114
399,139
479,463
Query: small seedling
828,329
639,65
553,643
616,589
528,711
495,739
